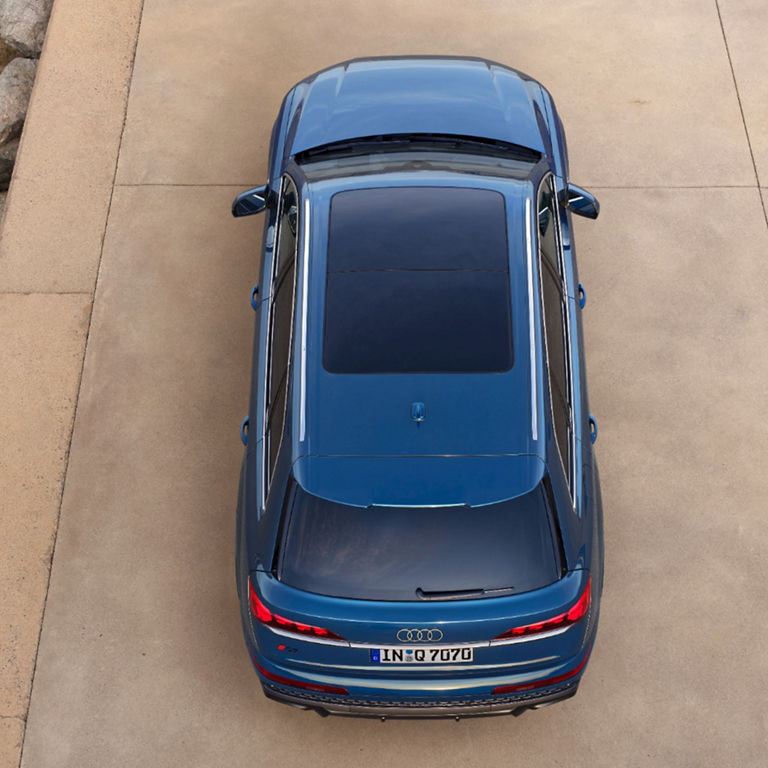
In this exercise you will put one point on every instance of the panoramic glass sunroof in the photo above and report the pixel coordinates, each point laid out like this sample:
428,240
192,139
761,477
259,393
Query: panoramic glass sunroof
418,282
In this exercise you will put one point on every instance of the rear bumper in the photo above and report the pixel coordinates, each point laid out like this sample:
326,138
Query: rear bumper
453,708
386,697
389,703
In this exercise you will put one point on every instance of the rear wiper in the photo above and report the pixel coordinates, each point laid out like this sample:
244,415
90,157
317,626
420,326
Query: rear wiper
463,594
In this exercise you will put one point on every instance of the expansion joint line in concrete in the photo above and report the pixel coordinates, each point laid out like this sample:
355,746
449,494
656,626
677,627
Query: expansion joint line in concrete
247,185
741,110
670,186
234,185
45,293
80,378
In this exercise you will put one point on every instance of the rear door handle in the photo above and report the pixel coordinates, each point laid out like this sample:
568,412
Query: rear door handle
582,296
592,429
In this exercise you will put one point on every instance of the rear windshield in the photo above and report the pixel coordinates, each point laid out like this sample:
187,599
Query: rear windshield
418,282
396,553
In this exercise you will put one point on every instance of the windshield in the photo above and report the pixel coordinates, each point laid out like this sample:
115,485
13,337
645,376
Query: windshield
398,553
389,160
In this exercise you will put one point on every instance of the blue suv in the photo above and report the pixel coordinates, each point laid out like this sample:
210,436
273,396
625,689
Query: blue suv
419,523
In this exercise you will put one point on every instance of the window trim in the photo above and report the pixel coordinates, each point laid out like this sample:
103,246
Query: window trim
275,278
565,322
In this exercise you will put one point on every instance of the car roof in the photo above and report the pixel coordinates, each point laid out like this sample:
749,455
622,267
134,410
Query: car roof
482,435
417,95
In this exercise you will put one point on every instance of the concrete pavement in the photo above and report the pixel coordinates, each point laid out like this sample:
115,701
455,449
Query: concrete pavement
126,348
53,227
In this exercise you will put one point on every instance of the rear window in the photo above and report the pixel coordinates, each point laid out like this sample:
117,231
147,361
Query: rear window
418,282
396,553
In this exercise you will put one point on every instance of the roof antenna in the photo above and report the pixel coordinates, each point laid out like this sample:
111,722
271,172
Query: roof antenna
418,413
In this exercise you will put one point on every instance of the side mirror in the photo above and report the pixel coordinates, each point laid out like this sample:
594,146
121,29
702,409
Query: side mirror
580,202
251,201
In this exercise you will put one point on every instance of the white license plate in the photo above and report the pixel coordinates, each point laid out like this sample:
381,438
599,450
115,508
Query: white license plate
420,655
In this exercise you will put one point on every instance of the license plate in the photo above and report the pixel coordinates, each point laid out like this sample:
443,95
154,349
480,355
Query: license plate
402,655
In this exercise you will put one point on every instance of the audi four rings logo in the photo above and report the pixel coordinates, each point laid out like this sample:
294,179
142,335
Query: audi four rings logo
419,635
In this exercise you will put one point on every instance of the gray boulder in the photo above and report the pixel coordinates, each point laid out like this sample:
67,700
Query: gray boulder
7,159
23,23
16,82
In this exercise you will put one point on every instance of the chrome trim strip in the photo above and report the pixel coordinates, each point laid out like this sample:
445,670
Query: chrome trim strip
304,293
307,638
368,646
531,321
421,646
528,638
513,667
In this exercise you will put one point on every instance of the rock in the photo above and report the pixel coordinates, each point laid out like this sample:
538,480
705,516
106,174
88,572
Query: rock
7,159
16,82
6,53
23,24
3,195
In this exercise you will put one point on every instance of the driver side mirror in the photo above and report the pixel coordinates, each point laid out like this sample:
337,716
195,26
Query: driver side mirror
580,202
251,201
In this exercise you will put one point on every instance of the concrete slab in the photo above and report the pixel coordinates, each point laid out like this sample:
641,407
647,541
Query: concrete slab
673,325
745,23
645,90
11,736
59,197
141,660
164,389
42,339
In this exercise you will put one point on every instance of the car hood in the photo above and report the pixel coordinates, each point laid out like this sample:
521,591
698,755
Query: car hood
386,96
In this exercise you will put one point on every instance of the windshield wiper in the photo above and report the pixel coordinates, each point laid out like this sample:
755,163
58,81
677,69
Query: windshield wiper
426,141
351,147
463,594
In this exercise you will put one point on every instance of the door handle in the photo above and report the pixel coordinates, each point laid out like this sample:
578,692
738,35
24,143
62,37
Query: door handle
592,429
244,430
582,296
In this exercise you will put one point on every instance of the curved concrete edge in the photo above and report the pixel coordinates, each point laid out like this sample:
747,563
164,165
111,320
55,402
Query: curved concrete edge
50,250
58,201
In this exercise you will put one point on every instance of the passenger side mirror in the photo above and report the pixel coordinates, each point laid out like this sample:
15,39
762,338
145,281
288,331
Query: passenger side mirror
251,201
580,202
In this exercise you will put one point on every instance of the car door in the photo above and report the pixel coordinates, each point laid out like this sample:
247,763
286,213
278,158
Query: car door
558,325
281,306
272,346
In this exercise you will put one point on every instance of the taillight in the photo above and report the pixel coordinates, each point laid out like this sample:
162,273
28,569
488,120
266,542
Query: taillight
319,687
576,613
518,687
270,619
